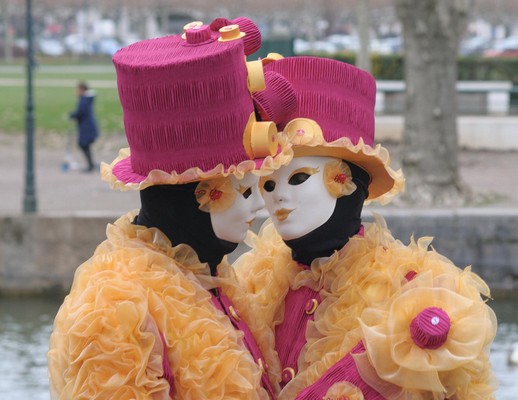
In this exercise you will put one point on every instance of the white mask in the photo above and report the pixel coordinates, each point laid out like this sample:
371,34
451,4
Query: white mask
296,197
233,223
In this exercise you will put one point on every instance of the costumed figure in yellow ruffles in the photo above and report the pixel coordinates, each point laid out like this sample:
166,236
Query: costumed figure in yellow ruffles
354,313
156,312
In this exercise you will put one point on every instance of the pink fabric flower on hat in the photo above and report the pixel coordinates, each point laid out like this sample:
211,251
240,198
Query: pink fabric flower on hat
215,195
431,335
338,179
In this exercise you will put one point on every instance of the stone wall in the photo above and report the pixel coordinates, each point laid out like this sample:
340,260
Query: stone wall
486,239
39,254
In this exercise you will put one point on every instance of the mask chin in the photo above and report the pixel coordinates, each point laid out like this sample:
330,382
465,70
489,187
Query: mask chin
300,227
334,233
233,223
230,230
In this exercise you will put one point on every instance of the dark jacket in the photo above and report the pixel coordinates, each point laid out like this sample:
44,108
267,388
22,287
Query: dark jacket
84,114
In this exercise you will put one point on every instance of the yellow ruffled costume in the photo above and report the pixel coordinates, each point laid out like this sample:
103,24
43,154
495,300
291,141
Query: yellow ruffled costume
371,290
136,294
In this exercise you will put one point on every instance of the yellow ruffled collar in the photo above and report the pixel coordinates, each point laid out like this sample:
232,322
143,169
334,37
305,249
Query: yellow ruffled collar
363,275
156,290
322,270
184,255
188,262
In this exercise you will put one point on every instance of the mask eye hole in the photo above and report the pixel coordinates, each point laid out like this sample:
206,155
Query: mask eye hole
301,175
246,194
269,186
245,191
298,178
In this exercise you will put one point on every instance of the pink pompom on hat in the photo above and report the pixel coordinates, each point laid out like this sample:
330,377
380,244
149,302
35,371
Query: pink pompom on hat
190,109
335,118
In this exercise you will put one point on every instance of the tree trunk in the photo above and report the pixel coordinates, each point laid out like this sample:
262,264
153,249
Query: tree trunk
5,11
164,8
309,20
362,20
432,30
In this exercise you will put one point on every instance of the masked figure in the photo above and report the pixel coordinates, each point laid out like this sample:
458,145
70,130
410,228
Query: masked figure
156,312
353,312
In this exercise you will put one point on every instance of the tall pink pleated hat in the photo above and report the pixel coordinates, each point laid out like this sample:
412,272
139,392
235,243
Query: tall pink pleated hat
335,118
195,109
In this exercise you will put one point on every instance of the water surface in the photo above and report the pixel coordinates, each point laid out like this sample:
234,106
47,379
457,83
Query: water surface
26,324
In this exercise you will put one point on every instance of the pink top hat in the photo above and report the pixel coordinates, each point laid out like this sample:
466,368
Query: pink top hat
335,118
188,108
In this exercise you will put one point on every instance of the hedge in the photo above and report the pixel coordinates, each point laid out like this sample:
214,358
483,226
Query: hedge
390,67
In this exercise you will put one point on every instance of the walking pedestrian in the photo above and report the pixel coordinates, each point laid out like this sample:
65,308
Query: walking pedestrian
87,127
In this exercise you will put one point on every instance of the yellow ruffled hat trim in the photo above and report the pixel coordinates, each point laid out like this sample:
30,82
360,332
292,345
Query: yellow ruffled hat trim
308,140
194,174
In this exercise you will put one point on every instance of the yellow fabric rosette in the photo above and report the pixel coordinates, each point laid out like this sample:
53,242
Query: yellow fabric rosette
400,359
364,279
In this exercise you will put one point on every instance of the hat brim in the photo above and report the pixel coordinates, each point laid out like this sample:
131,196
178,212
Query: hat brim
385,183
120,175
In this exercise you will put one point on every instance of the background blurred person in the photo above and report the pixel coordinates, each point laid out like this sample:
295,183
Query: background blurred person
87,128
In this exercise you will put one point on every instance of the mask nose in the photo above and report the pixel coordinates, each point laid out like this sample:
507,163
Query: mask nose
280,194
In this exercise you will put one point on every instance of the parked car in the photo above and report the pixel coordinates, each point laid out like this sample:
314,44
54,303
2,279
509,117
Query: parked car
78,44
302,46
130,39
107,46
50,47
349,43
507,47
18,48
474,45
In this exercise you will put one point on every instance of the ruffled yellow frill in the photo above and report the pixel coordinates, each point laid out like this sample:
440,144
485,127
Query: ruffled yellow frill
308,140
371,290
343,390
375,160
136,287
158,177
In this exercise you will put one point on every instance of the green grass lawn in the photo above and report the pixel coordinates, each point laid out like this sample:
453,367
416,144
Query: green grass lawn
53,104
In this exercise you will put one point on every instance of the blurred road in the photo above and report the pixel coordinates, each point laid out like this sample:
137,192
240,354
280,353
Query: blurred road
73,192
60,191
